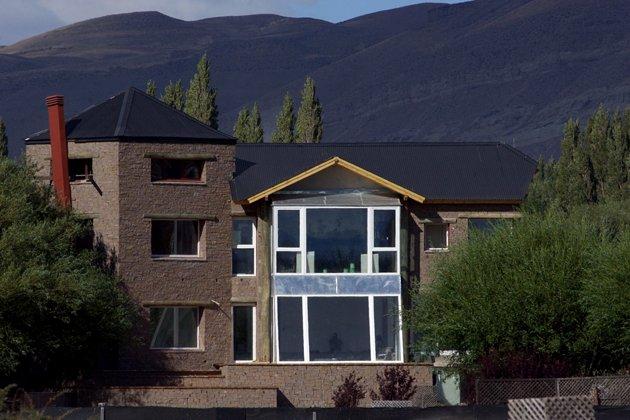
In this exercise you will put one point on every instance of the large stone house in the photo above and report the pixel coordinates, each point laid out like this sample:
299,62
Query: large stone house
266,273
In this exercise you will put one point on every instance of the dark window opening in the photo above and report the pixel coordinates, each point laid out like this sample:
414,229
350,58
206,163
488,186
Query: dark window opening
243,324
176,170
435,236
80,169
175,237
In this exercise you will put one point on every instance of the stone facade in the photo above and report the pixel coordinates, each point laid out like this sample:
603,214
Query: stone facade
122,200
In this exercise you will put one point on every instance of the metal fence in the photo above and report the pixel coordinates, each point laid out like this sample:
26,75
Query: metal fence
613,390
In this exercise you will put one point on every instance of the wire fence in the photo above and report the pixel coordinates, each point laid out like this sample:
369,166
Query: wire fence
612,390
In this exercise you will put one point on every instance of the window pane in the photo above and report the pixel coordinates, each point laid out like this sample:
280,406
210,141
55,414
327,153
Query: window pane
385,228
288,228
484,225
242,232
385,261
176,169
162,240
338,328
187,237
336,240
187,325
290,337
242,261
386,328
243,332
79,169
435,236
162,325
288,262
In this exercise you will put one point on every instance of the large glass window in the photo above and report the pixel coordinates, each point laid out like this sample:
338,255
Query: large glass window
243,247
290,336
174,327
175,237
338,328
336,240
243,319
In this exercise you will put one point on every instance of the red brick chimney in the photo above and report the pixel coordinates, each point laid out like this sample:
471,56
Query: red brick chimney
59,150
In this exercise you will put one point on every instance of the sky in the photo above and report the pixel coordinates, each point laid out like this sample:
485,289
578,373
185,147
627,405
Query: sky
21,19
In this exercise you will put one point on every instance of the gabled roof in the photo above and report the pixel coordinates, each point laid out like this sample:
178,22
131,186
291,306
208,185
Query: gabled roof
133,114
437,172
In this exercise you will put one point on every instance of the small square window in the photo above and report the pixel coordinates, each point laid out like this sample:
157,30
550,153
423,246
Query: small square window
435,237
80,169
177,170
175,237
243,322
174,327
243,247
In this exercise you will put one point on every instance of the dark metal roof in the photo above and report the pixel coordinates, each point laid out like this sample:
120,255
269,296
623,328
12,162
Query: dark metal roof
438,171
133,114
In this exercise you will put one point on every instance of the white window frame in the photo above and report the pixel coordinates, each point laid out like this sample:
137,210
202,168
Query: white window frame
253,306
447,239
175,327
175,221
371,249
246,246
305,331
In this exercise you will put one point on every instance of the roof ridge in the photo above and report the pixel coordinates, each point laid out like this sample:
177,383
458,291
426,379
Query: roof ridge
161,103
376,143
123,114
518,152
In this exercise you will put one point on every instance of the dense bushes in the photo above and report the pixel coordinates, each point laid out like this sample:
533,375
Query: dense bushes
58,309
551,290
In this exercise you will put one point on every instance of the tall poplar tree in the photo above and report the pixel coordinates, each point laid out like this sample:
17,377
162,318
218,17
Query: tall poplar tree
174,95
285,122
309,126
4,140
241,127
201,97
256,132
151,87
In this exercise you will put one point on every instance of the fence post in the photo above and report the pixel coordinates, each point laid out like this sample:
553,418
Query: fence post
477,391
557,387
101,407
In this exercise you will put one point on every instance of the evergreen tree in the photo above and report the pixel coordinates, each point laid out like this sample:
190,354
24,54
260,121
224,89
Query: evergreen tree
4,140
598,137
174,95
201,97
309,126
618,154
241,127
570,179
285,122
151,87
255,130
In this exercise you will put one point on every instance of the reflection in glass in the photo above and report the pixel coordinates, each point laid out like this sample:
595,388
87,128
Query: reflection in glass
386,328
290,337
288,228
336,240
288,262
242,232
338,328
187,327
385,261
385,228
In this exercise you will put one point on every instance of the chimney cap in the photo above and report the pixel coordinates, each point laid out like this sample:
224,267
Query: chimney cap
54,100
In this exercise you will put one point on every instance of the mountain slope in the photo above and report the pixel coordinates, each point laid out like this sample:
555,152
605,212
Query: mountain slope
484,70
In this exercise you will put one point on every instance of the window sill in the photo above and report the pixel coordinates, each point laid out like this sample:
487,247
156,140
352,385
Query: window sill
436,250
238,276
81,182
189,183
178,350
176,258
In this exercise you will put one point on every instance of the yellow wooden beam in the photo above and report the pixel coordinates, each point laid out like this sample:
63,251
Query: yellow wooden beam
344,164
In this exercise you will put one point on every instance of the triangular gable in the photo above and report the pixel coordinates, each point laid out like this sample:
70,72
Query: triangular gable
341,163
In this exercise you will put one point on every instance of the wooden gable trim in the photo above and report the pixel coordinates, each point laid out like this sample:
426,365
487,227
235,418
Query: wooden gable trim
344,164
